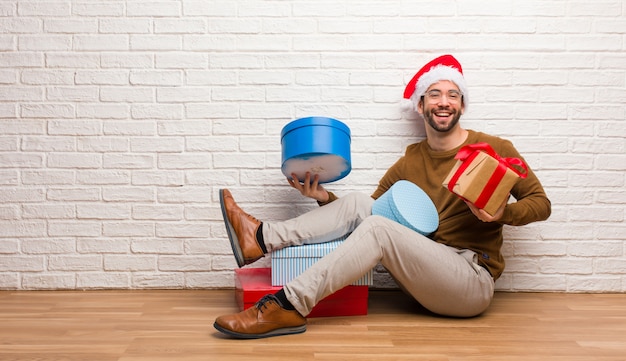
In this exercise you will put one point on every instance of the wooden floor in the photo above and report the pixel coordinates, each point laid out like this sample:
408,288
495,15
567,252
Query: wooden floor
178,325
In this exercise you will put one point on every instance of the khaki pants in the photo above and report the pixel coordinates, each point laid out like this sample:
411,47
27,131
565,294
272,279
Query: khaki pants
445,280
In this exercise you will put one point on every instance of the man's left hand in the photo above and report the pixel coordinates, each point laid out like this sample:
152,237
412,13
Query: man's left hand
484,216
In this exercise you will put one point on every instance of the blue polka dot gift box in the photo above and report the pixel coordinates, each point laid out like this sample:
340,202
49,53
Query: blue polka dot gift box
409,205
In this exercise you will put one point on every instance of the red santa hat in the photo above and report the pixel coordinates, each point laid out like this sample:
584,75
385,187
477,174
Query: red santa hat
445,67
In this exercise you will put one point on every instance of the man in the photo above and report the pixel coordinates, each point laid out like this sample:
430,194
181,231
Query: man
451,272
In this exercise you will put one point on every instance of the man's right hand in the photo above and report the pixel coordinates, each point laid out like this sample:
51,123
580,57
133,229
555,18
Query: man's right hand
309,188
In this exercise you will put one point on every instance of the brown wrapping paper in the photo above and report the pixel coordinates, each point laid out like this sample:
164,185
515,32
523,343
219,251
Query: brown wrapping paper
472,182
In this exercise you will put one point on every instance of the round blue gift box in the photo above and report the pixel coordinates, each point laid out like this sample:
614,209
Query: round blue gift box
409,205
318,145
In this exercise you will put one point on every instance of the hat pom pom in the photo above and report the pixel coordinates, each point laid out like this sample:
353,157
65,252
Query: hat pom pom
407,105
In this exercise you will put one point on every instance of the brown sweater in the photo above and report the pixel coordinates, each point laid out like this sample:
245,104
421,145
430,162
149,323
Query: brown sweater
458,227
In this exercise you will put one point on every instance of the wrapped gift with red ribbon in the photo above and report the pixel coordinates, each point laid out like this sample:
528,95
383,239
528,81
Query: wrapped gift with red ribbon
482,177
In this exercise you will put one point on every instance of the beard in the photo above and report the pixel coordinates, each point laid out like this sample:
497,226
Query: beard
429,117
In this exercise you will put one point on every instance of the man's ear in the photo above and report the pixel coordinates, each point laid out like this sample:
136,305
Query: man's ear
420,106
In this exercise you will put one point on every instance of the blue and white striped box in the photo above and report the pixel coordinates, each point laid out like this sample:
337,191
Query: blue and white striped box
288,263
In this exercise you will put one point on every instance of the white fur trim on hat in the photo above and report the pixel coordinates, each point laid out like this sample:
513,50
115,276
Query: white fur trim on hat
436,74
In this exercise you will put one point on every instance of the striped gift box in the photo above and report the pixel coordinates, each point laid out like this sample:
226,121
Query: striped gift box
288,263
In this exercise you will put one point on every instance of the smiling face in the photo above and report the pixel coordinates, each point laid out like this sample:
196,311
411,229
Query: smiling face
442,106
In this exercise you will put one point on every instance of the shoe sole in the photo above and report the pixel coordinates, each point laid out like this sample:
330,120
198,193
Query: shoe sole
278,332
232,236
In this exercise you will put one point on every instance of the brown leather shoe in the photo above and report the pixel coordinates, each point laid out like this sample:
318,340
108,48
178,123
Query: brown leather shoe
241,228
265,319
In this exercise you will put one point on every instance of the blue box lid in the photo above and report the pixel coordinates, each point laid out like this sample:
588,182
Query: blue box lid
323,121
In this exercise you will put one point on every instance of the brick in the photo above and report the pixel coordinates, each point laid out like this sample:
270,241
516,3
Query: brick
214,8
89,9
9,281
74,229
73,128
129,263
48,211
183,26
102,144
74,194
49,281
126,60
595,284
161,178
144,128
213,178
21,195
124,26
176,230
101,42
595,249
15,263
126,94
103,211
128,161
48,246
102,280
157,111
128,229
45,43
9,246
103,111
153,78
193,127
20,160
66,26
536,282
158,212
160,246
74,263
153,8
103,245
183,95
184,263
142,280
74,160
185,161
47,77
44,8
209,280
128,194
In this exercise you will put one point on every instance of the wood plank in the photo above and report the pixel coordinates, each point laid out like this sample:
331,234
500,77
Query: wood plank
177,325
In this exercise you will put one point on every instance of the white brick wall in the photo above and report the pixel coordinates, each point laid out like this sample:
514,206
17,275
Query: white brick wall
120,120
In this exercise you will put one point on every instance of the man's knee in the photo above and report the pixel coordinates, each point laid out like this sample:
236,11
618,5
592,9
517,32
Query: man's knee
361,202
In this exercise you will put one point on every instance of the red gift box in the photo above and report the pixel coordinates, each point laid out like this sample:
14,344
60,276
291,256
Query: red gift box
253,283
482,177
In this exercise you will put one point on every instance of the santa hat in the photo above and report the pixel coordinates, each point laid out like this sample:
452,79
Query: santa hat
445,67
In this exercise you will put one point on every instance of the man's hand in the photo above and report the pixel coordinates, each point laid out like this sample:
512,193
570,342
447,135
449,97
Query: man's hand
484,216
308,188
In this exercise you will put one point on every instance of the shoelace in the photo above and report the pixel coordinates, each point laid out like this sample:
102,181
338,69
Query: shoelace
251,217
261,304
245,213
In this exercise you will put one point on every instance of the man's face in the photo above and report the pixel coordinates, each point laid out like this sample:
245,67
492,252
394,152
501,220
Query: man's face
442,106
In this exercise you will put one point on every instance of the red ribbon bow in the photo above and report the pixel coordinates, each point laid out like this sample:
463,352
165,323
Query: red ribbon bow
467,154
511,163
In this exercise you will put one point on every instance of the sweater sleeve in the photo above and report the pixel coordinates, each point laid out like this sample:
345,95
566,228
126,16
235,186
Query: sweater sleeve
532,203
331,197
